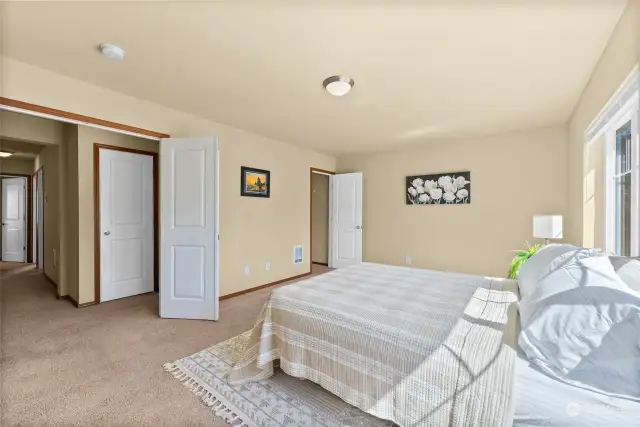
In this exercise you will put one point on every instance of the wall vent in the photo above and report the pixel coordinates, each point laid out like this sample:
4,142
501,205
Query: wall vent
298,254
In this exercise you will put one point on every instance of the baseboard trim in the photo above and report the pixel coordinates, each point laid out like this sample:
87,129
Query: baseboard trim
75,303
46,276
86,304
321,263
257,288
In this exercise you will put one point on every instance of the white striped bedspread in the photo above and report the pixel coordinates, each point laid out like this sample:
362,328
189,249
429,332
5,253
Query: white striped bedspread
416,347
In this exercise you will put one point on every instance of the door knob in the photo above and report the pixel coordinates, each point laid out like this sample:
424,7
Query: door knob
106,233
358,227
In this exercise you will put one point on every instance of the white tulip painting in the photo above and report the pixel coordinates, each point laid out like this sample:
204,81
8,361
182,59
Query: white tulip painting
440,189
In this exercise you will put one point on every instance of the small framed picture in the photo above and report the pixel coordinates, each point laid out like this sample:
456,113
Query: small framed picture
255,182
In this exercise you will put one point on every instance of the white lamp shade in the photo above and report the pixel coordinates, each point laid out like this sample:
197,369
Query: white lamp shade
547,226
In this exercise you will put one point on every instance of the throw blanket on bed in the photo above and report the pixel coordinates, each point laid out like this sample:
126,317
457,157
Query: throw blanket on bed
417,347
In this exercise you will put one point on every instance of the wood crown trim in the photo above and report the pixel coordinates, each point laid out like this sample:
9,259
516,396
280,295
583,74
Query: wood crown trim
78,117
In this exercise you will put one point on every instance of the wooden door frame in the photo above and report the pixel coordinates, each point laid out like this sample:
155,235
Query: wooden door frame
311,172
29,208
96,216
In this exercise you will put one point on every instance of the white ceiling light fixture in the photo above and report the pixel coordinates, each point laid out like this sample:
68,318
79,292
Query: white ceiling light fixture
112,51
6,154
338,85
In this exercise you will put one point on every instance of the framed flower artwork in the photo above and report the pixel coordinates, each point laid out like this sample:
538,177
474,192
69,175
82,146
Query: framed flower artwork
452,188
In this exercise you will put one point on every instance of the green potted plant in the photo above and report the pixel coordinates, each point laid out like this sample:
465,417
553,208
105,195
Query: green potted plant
521,257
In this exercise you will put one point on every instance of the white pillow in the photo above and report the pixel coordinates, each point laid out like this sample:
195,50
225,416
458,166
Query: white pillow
535,266
630,274
582,325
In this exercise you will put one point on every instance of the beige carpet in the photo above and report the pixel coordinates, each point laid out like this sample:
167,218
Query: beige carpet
102,365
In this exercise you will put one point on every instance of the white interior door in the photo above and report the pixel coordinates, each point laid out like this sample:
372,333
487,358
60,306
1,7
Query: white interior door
126,224
39,231
189,228
14,241
346,219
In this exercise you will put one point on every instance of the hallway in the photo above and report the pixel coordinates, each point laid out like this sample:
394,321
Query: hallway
102,365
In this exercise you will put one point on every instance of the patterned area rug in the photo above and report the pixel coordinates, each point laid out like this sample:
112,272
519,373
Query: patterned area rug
278,401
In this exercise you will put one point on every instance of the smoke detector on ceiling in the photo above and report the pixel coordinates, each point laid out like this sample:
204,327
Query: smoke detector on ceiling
112,51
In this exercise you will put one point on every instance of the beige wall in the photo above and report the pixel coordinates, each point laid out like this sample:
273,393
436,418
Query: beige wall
244,241
70,241
593,210
513,177
618,60
13,165
87,137
48,160
320,218
29,128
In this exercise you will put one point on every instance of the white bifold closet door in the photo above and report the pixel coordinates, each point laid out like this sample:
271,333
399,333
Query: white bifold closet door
189,228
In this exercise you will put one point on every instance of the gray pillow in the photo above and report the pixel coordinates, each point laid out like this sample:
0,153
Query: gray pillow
619,261
630,274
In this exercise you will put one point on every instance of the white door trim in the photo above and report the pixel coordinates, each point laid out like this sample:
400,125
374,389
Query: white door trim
34,218
38,231
97,215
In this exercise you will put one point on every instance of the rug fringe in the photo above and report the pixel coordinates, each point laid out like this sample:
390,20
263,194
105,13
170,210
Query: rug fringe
214,402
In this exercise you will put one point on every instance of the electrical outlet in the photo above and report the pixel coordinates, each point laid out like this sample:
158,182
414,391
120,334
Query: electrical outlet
407,260
267,266
246,270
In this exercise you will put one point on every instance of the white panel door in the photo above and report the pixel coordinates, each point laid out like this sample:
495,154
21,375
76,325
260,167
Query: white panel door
346,219
126,224
189,228
14,216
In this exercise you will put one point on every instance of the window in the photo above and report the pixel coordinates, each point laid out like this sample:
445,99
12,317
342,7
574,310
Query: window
623,190
615,195
622,181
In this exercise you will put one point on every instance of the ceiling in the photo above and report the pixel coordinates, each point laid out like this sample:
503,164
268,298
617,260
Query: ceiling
20,149
423,70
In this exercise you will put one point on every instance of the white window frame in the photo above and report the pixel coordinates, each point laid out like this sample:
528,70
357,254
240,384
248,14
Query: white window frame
622,107
627,112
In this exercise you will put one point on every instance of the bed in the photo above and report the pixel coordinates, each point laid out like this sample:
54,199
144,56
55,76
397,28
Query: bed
417,347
